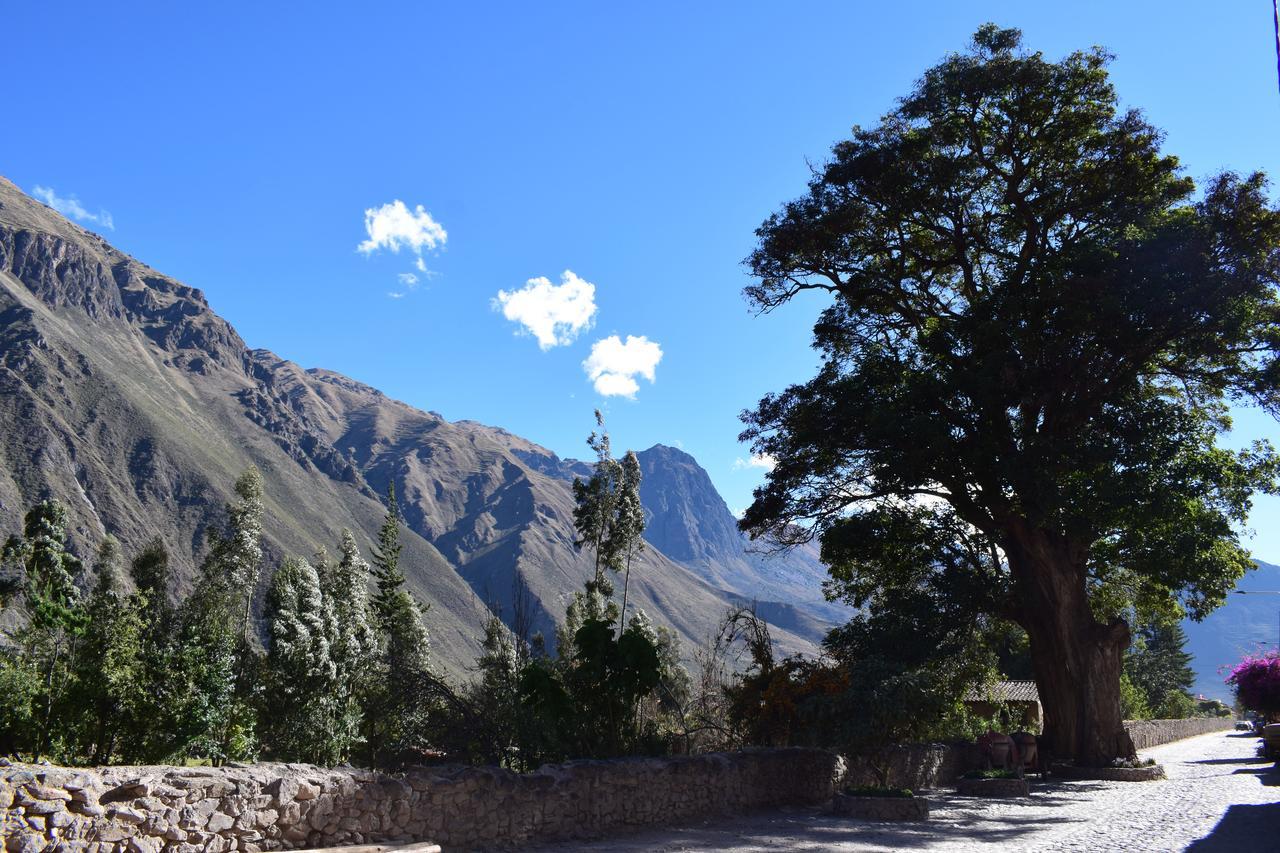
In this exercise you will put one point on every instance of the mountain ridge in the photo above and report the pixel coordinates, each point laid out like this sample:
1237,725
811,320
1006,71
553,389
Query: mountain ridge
128,397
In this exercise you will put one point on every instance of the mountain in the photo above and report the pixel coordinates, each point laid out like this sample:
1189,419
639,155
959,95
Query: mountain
690,523
123,394
1244,623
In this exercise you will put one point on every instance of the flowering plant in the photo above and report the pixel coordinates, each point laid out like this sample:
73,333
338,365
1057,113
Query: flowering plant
1257,683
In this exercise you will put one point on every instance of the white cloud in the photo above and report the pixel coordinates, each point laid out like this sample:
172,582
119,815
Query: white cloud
393,226
395,295
613,365
757,460
554,314
420,264
71,206
408,279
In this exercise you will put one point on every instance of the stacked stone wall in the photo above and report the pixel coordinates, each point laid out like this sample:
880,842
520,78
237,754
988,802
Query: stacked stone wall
1149,733
279,806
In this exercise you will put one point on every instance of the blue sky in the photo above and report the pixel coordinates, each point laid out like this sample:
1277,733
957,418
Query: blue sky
238,148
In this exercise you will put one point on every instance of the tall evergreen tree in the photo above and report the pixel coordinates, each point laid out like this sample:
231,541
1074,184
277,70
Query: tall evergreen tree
386,560
394,718
301,673
396,715
353,646
1159,666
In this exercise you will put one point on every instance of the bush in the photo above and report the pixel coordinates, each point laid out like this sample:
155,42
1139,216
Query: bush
1257,683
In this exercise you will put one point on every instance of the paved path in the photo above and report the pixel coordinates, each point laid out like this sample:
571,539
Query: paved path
1219,797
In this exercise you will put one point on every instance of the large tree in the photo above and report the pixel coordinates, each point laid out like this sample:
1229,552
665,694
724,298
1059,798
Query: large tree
1032,331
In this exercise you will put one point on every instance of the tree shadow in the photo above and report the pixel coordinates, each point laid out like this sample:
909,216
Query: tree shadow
1243,829
1269,775
1253,760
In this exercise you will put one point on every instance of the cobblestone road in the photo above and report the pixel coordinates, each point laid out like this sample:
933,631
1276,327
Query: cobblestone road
1219,797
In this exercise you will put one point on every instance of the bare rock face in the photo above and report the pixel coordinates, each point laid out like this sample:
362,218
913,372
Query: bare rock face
124,395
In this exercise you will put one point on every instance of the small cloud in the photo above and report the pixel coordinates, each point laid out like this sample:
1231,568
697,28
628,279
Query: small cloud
554,314
395,295
420,264
393,227
679,444
408,279
71,206
613,365
757,460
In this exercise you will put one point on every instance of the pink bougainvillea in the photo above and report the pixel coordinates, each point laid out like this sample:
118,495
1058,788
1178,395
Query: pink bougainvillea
1257,683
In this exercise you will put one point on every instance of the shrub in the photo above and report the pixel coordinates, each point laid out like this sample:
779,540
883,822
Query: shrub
1257,683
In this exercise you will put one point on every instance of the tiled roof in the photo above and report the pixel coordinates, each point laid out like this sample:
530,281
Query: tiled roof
1004,691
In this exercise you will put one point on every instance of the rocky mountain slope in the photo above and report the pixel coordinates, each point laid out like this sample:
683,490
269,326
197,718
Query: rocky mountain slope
123,394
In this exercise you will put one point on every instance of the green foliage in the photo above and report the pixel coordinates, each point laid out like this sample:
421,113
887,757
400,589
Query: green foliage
587,708
1158,665
1032,335
386,561
56,620
353,646
108,672
297,712
163,725
1176,705
1133,702
127,676
991,774
19,693
221,653
396,717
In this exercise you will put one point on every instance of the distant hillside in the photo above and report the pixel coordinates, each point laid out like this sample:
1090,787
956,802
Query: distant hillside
124,395
1243,624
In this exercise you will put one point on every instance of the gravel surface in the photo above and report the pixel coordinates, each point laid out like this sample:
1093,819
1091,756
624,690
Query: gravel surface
1219,797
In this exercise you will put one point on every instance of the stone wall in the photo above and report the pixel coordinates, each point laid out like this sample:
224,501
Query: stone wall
916,766
278,806
274,806
1149,733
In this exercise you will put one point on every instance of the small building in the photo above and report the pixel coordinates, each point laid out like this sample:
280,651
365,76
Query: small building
1016,704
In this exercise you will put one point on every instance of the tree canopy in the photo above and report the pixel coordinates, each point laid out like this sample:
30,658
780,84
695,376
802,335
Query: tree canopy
1033,331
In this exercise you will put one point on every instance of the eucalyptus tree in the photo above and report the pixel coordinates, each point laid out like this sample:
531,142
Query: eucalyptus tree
595,511
109,661
626,535
1032,328
609,520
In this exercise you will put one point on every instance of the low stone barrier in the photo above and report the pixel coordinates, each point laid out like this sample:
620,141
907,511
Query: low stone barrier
276,806
1149,733
917,766
280,806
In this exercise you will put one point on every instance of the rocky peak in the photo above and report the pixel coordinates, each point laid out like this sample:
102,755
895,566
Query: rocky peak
688,520
65,266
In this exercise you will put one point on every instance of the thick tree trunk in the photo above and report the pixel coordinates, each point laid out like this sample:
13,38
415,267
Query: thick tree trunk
1077,659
